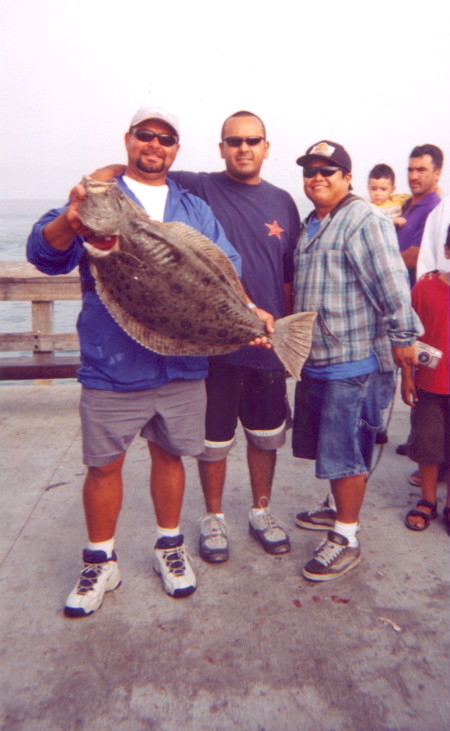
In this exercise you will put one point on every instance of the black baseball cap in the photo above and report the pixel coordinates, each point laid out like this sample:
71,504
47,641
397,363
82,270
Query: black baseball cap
327,150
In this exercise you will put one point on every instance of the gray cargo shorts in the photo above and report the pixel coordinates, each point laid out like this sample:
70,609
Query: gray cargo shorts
172,416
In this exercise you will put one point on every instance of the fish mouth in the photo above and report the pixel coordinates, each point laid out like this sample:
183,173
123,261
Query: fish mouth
98,246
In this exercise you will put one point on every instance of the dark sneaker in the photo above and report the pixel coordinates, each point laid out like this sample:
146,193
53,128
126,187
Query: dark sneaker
213,544
269,532
322,518
99,575
171,563
332,558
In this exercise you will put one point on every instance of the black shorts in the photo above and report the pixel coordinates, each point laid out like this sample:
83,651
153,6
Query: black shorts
429,441
255,396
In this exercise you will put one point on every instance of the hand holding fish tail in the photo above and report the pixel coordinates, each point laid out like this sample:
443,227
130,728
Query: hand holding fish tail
268,321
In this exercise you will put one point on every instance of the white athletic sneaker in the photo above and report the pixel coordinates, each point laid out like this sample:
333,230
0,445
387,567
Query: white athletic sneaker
171,563
213,542
269,532
99,575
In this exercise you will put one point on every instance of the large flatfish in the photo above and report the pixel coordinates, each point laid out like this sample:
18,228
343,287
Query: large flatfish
173,290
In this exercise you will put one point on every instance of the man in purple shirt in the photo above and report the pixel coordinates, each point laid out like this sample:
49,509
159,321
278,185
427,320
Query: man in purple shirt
424,170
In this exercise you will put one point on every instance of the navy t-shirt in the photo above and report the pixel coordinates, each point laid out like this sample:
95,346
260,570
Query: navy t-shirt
262,223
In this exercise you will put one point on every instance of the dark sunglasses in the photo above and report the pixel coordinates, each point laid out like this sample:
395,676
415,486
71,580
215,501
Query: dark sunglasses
237,141
145,135
326,170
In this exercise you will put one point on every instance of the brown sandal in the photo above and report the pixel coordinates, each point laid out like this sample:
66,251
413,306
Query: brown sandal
427,517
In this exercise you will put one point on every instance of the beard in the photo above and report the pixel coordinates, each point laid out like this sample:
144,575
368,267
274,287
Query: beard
158,166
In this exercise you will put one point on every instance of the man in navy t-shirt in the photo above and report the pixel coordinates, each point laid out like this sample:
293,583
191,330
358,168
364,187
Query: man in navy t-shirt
262,223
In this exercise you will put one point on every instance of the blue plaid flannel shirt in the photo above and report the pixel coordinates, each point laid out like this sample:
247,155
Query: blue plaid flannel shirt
351,273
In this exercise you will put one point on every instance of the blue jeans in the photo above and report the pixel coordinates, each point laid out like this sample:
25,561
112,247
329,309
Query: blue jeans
335,422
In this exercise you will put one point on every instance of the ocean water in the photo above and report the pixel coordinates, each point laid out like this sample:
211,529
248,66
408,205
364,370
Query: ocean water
16,220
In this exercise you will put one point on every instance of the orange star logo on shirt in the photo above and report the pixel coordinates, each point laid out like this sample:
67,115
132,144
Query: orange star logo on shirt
274,229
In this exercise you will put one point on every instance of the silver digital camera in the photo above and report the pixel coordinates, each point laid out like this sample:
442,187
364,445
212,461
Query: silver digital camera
427,355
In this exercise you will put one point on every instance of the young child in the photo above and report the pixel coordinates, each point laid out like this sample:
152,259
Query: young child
429,393
381,187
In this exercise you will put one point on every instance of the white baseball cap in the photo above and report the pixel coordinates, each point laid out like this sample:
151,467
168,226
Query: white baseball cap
145,113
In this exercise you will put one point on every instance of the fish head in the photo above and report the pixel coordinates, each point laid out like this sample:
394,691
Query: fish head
101,208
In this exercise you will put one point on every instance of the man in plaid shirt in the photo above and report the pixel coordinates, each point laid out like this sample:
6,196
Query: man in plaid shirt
349,270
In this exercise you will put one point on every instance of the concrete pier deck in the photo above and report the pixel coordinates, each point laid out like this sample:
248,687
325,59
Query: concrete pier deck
256,647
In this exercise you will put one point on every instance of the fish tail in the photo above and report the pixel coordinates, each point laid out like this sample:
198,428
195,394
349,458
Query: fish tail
292,340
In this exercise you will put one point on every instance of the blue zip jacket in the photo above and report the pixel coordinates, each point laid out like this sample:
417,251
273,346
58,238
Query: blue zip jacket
110,359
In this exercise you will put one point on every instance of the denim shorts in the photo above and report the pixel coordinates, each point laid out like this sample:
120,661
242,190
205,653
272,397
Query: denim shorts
336,421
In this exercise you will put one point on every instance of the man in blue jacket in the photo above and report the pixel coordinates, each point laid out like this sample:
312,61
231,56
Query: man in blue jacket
126,388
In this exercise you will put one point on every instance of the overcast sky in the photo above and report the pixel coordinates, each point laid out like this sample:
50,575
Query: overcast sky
373,76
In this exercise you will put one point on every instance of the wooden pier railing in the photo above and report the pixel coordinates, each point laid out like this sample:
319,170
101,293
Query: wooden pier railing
20,281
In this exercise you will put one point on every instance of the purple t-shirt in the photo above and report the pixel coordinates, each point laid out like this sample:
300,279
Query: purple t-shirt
262,223
416,215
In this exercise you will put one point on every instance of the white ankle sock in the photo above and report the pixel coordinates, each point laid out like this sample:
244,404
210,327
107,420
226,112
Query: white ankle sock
167,532
106,546
331,501
348,530
257,511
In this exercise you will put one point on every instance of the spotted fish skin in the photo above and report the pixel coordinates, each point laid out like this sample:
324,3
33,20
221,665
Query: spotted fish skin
173,290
